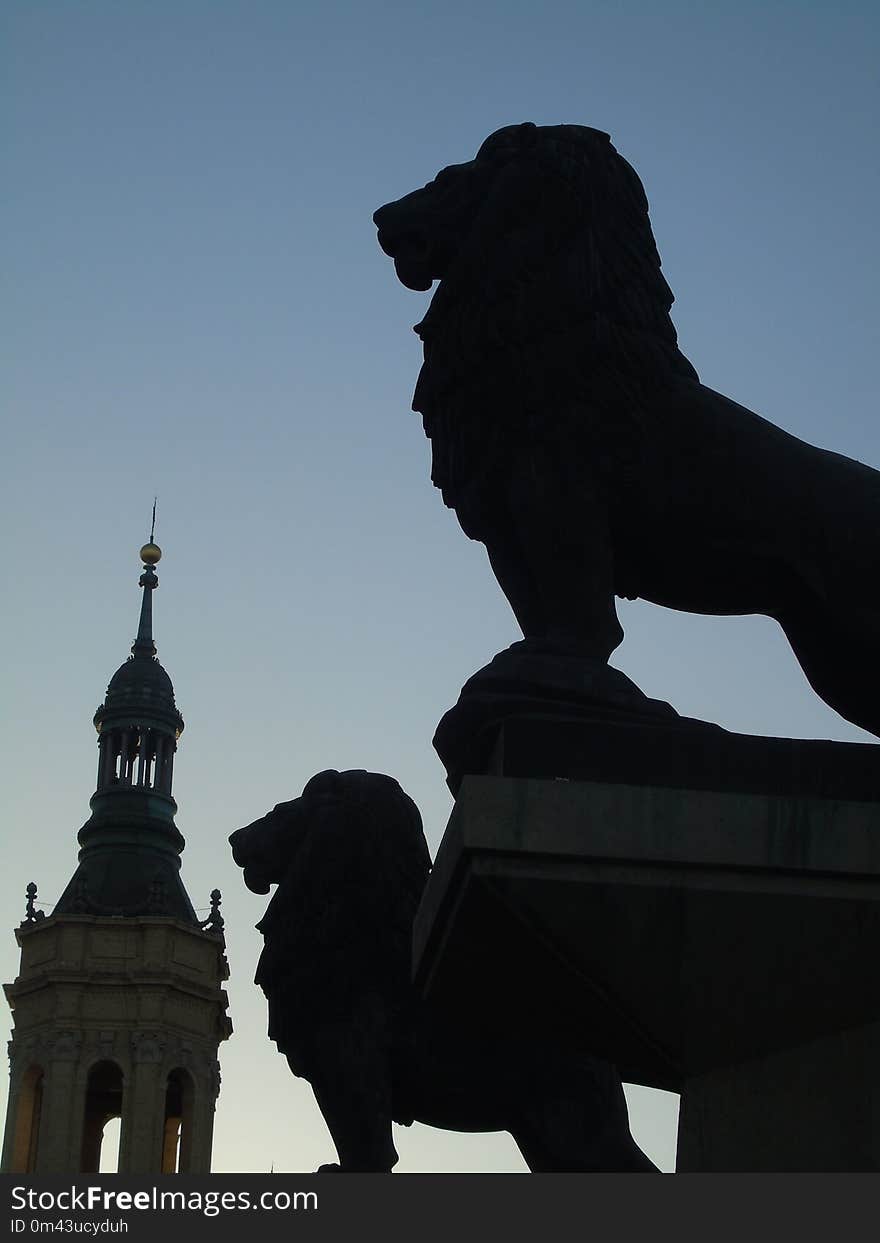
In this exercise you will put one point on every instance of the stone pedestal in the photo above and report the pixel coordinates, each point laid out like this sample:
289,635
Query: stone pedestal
707,917
813,1107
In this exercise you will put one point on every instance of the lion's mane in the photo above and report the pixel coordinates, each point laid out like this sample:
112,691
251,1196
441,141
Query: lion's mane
552,309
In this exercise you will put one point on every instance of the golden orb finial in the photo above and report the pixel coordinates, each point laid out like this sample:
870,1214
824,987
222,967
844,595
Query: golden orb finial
151,553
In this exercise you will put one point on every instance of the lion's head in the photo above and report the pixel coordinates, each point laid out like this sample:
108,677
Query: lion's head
551,295
350,861
365,807
263,849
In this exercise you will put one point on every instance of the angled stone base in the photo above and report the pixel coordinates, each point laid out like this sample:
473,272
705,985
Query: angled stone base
720,943
813,1107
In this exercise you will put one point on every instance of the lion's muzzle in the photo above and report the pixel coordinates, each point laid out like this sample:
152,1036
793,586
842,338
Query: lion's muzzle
411,248
244,852
412,260
255,880
258,849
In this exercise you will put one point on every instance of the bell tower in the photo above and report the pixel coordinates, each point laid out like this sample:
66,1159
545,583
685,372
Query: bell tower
118,1006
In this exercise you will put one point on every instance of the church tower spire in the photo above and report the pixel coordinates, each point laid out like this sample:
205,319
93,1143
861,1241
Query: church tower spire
118,1006
129,861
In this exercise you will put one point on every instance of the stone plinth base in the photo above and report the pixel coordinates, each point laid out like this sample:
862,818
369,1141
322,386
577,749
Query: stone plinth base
716,942
814,1107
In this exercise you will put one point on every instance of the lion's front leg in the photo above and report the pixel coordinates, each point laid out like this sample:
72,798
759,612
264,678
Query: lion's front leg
553,554
349,1070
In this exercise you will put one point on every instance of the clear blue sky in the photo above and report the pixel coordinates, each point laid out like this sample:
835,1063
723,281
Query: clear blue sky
197,308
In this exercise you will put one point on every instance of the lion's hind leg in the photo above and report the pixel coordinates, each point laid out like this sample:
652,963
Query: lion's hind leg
582,1130
838,653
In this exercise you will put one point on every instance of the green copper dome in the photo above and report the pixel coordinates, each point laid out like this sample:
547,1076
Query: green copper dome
140,690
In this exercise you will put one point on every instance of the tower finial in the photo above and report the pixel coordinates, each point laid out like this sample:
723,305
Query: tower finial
150,554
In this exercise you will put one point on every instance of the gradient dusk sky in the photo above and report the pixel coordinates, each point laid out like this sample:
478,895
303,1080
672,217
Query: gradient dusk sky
197,308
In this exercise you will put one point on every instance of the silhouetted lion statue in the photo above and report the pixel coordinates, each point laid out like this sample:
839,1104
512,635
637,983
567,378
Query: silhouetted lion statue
350,861
574,439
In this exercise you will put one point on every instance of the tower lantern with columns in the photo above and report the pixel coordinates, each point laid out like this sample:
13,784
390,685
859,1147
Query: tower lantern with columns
118,1006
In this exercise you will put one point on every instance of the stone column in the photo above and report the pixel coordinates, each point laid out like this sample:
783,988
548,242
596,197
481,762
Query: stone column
206,1085
143,752
124,757
159,750
60,1141
27,1083
143,1107
102,762
113,746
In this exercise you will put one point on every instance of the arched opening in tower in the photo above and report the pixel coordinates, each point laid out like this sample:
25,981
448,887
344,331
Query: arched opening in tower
27,1122
103,1102
177,1136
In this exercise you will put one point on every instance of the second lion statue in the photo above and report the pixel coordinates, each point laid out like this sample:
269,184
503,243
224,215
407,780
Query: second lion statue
350,861
575,440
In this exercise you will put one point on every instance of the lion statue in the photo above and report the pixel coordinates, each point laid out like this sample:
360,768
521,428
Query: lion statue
574,439
350,861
